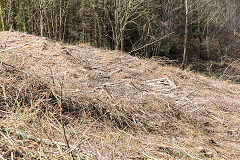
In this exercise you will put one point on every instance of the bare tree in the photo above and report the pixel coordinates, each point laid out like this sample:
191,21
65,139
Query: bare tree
41,17
185,54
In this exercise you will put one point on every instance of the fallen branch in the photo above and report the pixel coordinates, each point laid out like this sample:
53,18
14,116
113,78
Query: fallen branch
15,68
48,142
9,41
149,157
150,43
14,47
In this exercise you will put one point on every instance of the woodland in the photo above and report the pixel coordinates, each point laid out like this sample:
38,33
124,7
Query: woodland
184,30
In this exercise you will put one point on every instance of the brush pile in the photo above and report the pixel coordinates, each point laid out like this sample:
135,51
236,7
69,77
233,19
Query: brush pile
78,102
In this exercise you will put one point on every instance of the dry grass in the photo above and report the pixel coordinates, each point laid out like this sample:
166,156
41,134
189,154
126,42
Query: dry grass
113,106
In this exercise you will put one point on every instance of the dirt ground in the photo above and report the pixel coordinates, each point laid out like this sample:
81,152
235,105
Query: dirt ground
113,105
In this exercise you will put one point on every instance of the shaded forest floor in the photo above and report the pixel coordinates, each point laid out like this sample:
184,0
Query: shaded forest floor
59,101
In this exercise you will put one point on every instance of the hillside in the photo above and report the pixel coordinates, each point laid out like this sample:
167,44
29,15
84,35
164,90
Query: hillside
113,105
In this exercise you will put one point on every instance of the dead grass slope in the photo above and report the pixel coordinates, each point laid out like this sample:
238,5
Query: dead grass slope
113,106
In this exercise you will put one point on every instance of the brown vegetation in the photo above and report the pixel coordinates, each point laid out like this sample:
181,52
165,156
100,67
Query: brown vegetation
112,105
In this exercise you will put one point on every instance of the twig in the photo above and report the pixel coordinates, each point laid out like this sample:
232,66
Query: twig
48,142
139,89
223,74
63,124
148,156
16,69
14,47
2,157
9,41
4,96
150,43
12,156
2,131
9,140
9,65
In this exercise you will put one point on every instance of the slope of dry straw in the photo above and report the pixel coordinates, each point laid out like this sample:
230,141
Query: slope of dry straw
113,106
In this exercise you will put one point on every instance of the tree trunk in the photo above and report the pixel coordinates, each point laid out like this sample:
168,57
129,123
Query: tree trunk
208,41
116,27
12,15
122,40
2,20
185,54
41,17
